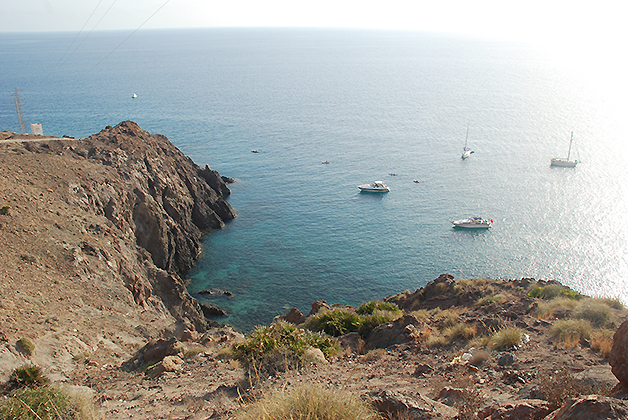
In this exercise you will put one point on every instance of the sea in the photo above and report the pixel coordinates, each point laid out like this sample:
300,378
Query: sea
378,105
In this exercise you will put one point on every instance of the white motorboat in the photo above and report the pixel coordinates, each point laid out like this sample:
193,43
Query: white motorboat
472,223
565,162
377,186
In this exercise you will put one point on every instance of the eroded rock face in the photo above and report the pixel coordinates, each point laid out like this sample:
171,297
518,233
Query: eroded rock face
591,407
514,410
401,330
148,206
618,358
160,194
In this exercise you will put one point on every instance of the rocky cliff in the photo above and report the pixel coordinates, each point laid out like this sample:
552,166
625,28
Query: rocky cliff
97,233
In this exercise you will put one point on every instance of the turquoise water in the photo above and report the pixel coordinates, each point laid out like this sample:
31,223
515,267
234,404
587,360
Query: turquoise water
371,103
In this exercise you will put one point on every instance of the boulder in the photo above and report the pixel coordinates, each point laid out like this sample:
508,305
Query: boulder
352,341
157,350
211,311
168,364
591,407
294,316
529,409
317,306
394,403
618,358
422,369
402,330
315,356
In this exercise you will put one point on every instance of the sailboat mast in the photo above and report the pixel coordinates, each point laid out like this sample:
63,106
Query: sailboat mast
570,141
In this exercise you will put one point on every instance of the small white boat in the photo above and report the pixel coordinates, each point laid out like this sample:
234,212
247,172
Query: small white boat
377,186
134,96
466,151
472,223
566,163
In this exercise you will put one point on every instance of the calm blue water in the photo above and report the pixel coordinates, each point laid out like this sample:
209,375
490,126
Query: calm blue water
371,103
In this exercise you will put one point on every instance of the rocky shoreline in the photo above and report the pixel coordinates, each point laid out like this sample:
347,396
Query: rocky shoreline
98,231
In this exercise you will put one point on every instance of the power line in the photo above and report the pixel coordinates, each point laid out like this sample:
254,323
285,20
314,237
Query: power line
18,108
130,35
72,43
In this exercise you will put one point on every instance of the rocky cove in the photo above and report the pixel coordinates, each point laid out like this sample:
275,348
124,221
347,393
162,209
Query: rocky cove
96,233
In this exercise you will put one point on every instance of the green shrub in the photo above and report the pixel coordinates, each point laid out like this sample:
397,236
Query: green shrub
27,377
4,210
337,322
375,305
552,291
311,402
25,345
280,346
42,403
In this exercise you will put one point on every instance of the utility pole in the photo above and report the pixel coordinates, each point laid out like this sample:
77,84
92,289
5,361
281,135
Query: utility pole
18,108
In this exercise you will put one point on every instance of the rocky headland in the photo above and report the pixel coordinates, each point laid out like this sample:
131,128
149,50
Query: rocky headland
97,232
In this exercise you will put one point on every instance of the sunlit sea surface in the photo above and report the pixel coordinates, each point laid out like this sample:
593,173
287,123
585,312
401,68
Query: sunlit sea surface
372,103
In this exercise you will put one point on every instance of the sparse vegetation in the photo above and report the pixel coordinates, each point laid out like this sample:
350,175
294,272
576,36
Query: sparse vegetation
4,210
309,402
506,338
551,308
597,312
279,347
43,403
570,332
553,291
602,342
339,321
374,306
559,386
499,298
25,345
189,353
29,376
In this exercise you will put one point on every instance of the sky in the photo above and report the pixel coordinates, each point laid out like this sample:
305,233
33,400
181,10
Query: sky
556,21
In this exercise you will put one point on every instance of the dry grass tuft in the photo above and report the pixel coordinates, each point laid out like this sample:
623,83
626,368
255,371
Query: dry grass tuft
309,402
559,386
375,355
506,338
597,312
570,332
549,309
602,342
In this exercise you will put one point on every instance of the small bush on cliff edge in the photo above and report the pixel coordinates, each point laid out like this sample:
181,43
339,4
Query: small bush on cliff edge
367,317
552,291
279,346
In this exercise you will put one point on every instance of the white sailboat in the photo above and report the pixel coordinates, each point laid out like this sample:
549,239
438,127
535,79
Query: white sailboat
567,163
466,151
